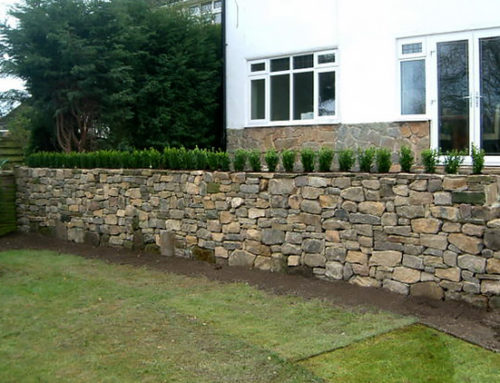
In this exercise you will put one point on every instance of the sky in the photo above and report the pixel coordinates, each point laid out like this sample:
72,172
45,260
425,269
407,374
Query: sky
8,83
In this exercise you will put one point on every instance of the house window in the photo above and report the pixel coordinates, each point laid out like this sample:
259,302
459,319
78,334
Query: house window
293,89
412,70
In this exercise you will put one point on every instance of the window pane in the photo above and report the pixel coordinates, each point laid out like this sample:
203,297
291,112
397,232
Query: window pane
301,62
411,48
280,98
327,58
326,94
218,18
206,7
258,100
280,64
258,67
453,95
413,87
490,94
303,100
217,4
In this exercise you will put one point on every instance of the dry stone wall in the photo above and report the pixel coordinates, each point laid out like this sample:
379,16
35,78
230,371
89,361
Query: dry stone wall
425,235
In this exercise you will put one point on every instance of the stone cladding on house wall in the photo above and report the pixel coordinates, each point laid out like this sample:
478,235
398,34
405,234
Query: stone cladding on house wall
426,235
389,135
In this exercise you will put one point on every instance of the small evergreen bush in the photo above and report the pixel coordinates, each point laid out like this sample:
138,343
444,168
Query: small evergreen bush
452,161
240,160
288,159
365,158
223,161
272,160
406,159
383,160
346,160
325,159
430,159
200,158
254,160
477,160
307,157
212,160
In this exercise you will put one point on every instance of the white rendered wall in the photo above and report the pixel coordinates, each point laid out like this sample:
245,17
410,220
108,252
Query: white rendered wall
365,33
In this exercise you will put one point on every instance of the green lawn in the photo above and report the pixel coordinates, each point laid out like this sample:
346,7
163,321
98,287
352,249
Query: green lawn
66,318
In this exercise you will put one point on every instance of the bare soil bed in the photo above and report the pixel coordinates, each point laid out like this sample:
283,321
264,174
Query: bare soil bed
456,318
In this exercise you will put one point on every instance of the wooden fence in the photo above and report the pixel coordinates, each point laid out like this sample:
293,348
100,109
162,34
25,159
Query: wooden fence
7,203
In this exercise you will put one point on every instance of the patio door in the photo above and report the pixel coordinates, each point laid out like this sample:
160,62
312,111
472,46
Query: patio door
467,93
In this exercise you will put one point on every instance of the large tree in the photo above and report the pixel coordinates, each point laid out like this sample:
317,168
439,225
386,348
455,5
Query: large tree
117,72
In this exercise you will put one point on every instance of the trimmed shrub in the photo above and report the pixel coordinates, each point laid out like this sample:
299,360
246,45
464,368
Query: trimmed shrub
223,161
346,160
406,159
254,160
272,159
383,160
477,160
200,158
430,159
288,159
307,157
365,158
325,159
452,161
240,160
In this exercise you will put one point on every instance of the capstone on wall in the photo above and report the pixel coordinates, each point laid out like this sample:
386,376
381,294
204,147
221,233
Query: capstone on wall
425,235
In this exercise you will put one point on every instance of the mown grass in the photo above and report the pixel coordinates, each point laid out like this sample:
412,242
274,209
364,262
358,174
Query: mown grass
68,318
65,318
409,355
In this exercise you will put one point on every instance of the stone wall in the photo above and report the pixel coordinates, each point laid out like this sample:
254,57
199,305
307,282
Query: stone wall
424,235
388,135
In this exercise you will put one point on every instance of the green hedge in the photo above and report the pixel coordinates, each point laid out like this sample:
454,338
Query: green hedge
7,204
170,158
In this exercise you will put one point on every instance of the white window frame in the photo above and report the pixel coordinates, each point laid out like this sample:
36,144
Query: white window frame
412,57
266,74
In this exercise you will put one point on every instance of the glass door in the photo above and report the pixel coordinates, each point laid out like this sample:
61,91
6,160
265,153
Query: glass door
466,93
454,114
488,98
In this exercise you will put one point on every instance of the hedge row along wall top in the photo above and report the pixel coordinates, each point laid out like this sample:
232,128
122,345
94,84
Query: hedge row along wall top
430,235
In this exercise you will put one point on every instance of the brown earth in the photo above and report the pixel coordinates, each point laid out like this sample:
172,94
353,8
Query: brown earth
472,324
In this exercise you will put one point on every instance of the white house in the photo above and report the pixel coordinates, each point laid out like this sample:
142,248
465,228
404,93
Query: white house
355,73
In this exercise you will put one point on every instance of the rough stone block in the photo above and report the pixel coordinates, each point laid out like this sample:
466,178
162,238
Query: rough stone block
426,225
427,290
372,208
493,266
386,258
353,194
439,242
472,263
281,186
314,260
313,246
396,287
406,275
241,258
451,274
467,244
492,239
334,270
273,237
490,287
356,257
469,197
